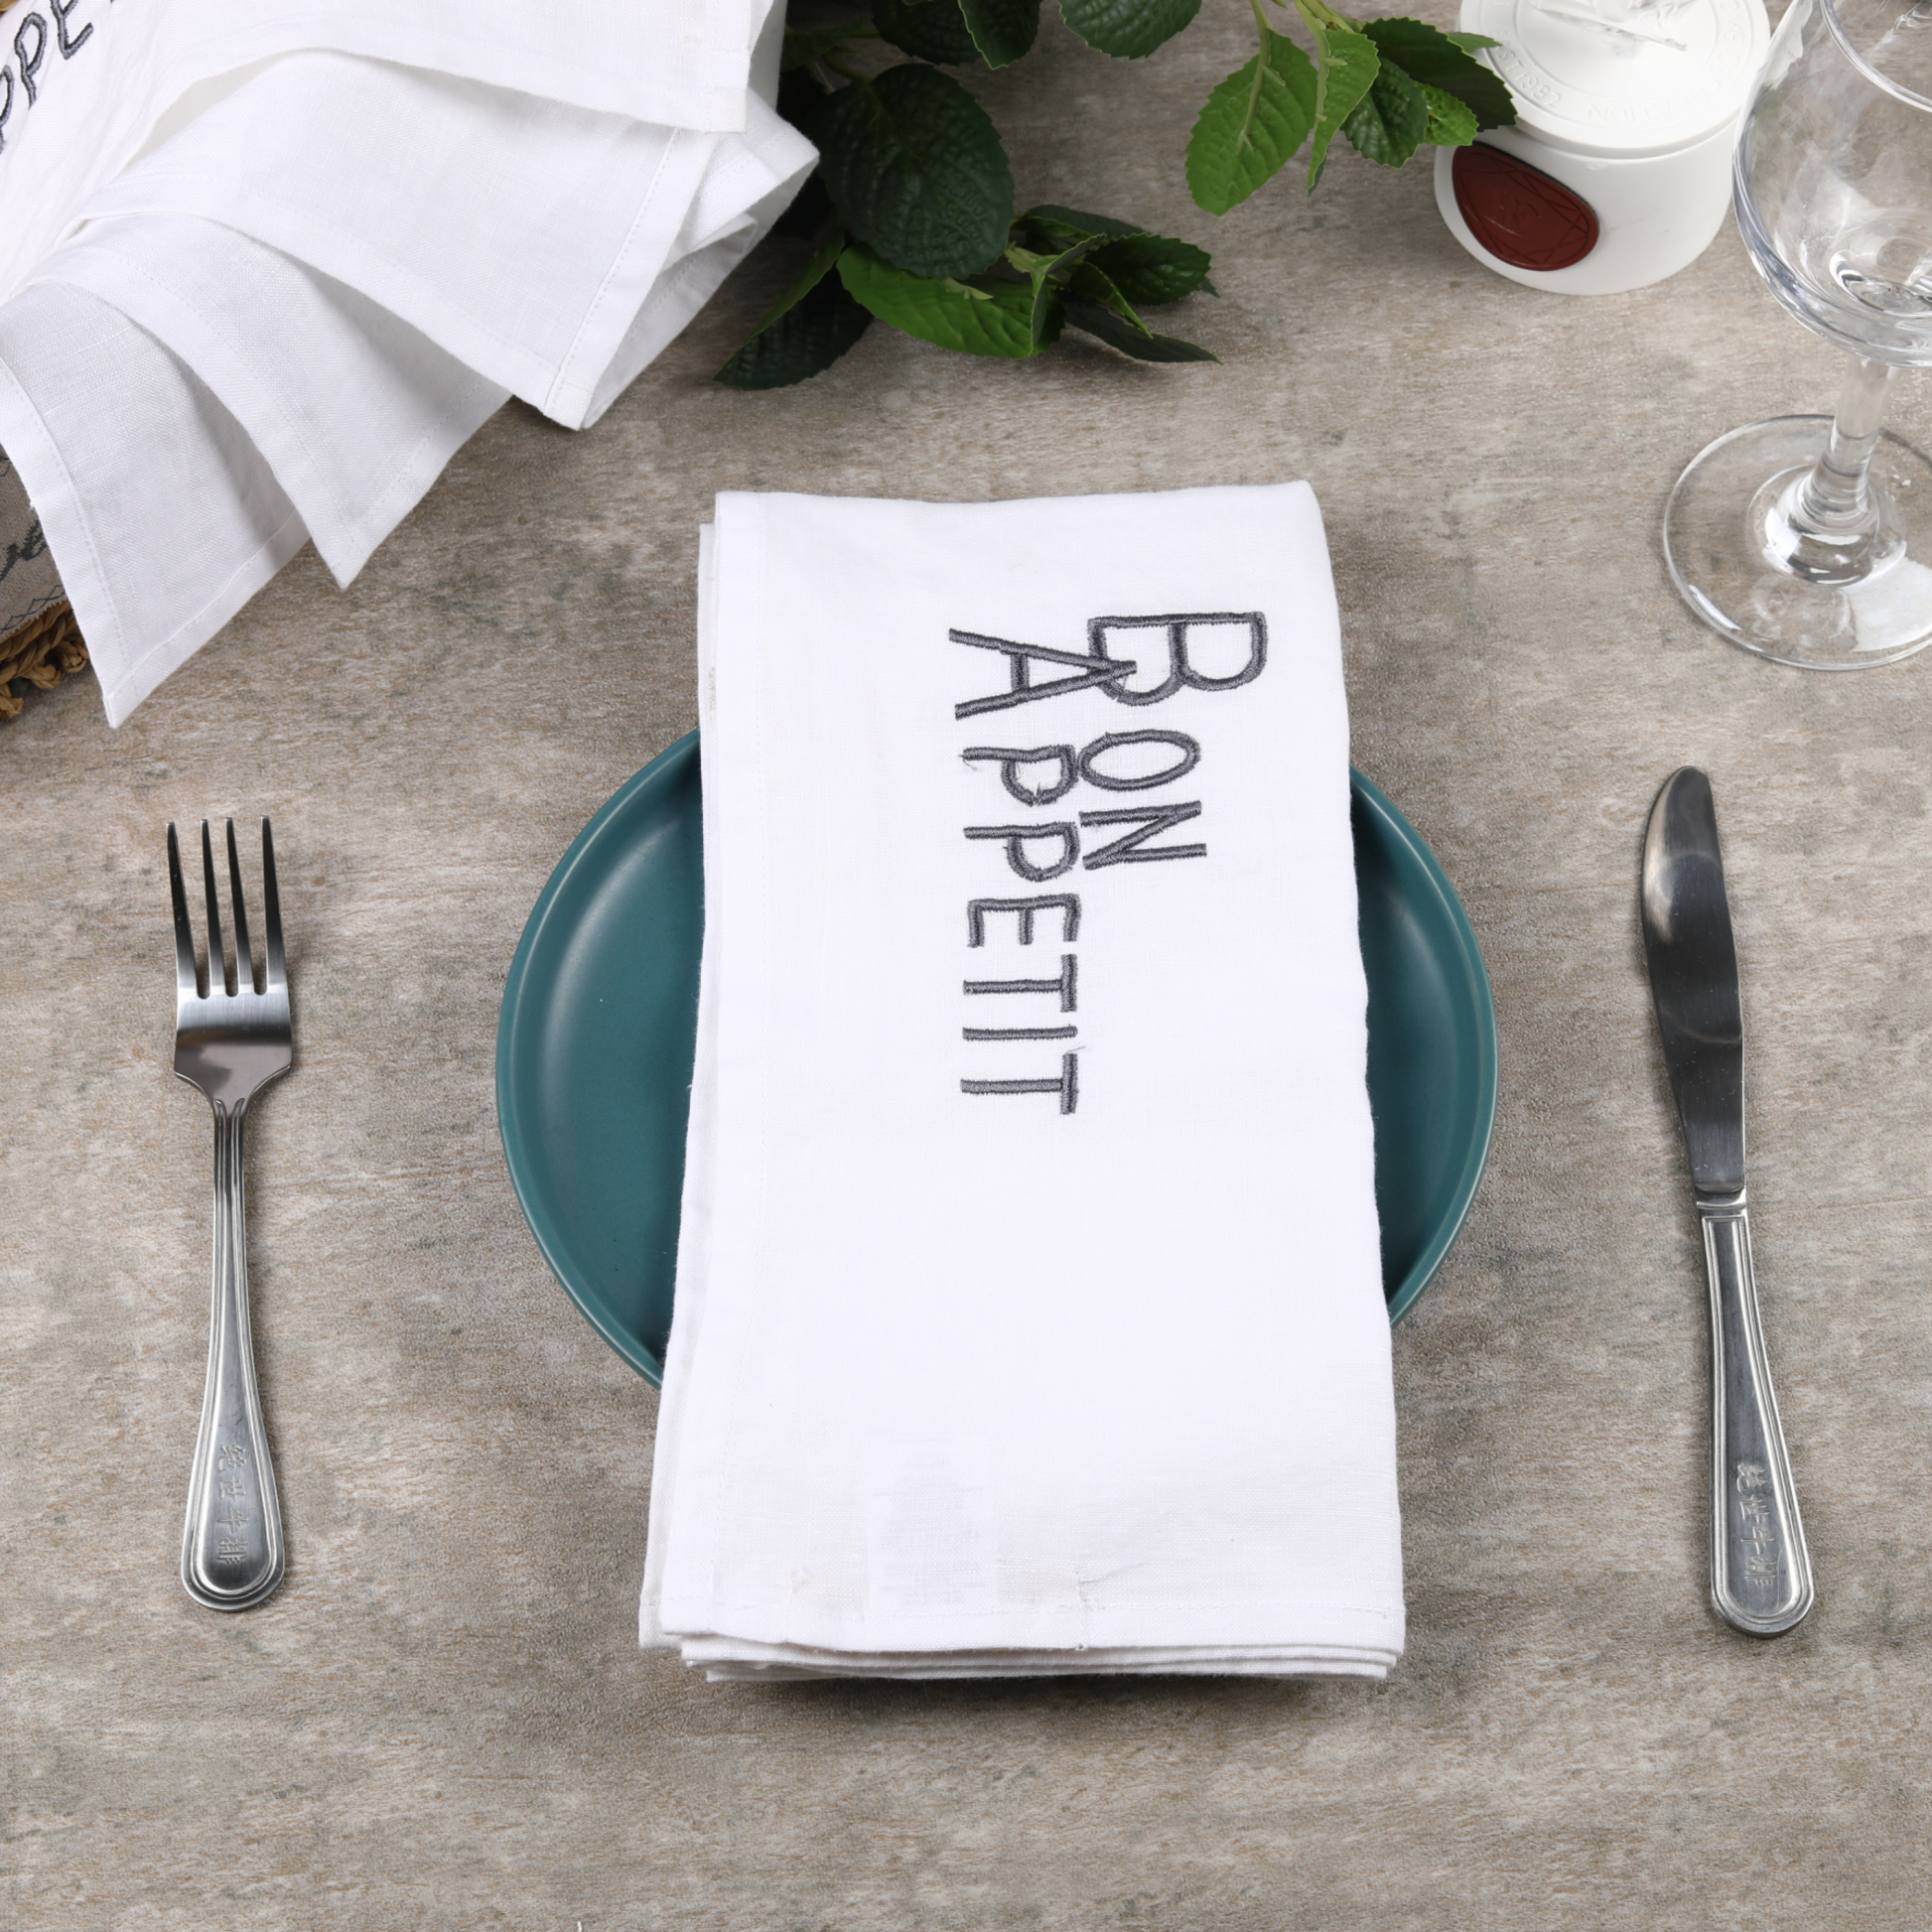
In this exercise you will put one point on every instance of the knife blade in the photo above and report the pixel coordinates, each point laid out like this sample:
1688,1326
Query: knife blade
1761,1568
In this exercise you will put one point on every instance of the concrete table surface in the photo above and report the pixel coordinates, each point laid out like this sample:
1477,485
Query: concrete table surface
443,1720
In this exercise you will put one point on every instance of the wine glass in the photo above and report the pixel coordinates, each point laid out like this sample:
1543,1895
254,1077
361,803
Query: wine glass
1806,538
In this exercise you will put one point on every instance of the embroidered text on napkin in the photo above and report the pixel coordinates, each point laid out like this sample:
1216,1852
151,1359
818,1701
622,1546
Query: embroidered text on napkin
1142,761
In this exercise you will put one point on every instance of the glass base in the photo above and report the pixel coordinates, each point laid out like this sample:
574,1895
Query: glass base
1732,558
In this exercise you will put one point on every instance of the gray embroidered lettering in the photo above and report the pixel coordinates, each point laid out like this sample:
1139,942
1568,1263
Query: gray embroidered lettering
1132,848
1067,1086
1011,760
1017,837
30,68
1022,909
1019,661
1188,748
1066,986
1185,650
69,45
6,105
1180,670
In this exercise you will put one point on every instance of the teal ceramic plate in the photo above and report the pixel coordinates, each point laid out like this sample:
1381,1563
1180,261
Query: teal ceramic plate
595,1047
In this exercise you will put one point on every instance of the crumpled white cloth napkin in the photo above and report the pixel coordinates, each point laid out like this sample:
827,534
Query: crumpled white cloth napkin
86,85
522,235
162,516
352,410
326,271
1029,1306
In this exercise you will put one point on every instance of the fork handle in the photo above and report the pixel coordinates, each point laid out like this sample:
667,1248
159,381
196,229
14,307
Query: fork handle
1760,1571
232,1555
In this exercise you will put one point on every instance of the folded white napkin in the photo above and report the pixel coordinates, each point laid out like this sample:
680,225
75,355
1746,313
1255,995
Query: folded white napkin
85,85
356,262
522,235
1029,1303
186,405
354,411
161,516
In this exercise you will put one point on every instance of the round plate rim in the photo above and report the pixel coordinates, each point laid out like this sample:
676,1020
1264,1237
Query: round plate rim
667,766
663,769
1469,955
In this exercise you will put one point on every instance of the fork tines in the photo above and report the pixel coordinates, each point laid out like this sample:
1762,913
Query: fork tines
224,972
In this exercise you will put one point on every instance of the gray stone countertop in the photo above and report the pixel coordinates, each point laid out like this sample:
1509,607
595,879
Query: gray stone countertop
443,1720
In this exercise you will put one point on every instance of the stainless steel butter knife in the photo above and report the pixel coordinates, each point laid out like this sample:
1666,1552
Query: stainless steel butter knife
1760,1571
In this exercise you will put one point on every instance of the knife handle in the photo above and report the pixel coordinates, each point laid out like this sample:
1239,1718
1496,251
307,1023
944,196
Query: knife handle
1760,1569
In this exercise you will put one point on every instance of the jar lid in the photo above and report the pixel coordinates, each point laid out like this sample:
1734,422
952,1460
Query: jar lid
1623,76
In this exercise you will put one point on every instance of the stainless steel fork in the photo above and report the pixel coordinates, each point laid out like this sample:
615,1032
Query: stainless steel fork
231,1037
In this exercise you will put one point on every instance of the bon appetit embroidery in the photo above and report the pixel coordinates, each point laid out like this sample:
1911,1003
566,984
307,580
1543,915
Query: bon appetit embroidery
1041,850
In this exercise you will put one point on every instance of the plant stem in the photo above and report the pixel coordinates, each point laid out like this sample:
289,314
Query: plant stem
1319,14
1261,73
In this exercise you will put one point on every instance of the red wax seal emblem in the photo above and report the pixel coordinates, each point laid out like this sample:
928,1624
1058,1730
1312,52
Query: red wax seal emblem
1522,216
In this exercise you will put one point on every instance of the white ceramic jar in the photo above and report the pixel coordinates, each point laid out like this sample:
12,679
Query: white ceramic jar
1617,172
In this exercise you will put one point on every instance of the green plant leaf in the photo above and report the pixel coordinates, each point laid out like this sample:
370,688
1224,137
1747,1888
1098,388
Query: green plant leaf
917,170
1471,42
1072,224
1390,120
811,326
1346,65
1127,28
826,248
1154,268
1040,271
1252,123
1150,269
1096,285
932,29
1117,333
1450,123
1002,30
799,49
1438,60
976,314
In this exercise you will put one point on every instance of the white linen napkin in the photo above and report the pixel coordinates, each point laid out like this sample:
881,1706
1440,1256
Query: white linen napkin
1029,1306
85,85
354,411
522,235
167,499
336,268
115,436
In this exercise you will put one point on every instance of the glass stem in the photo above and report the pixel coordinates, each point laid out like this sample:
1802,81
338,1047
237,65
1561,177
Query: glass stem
1834,503
1828,526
